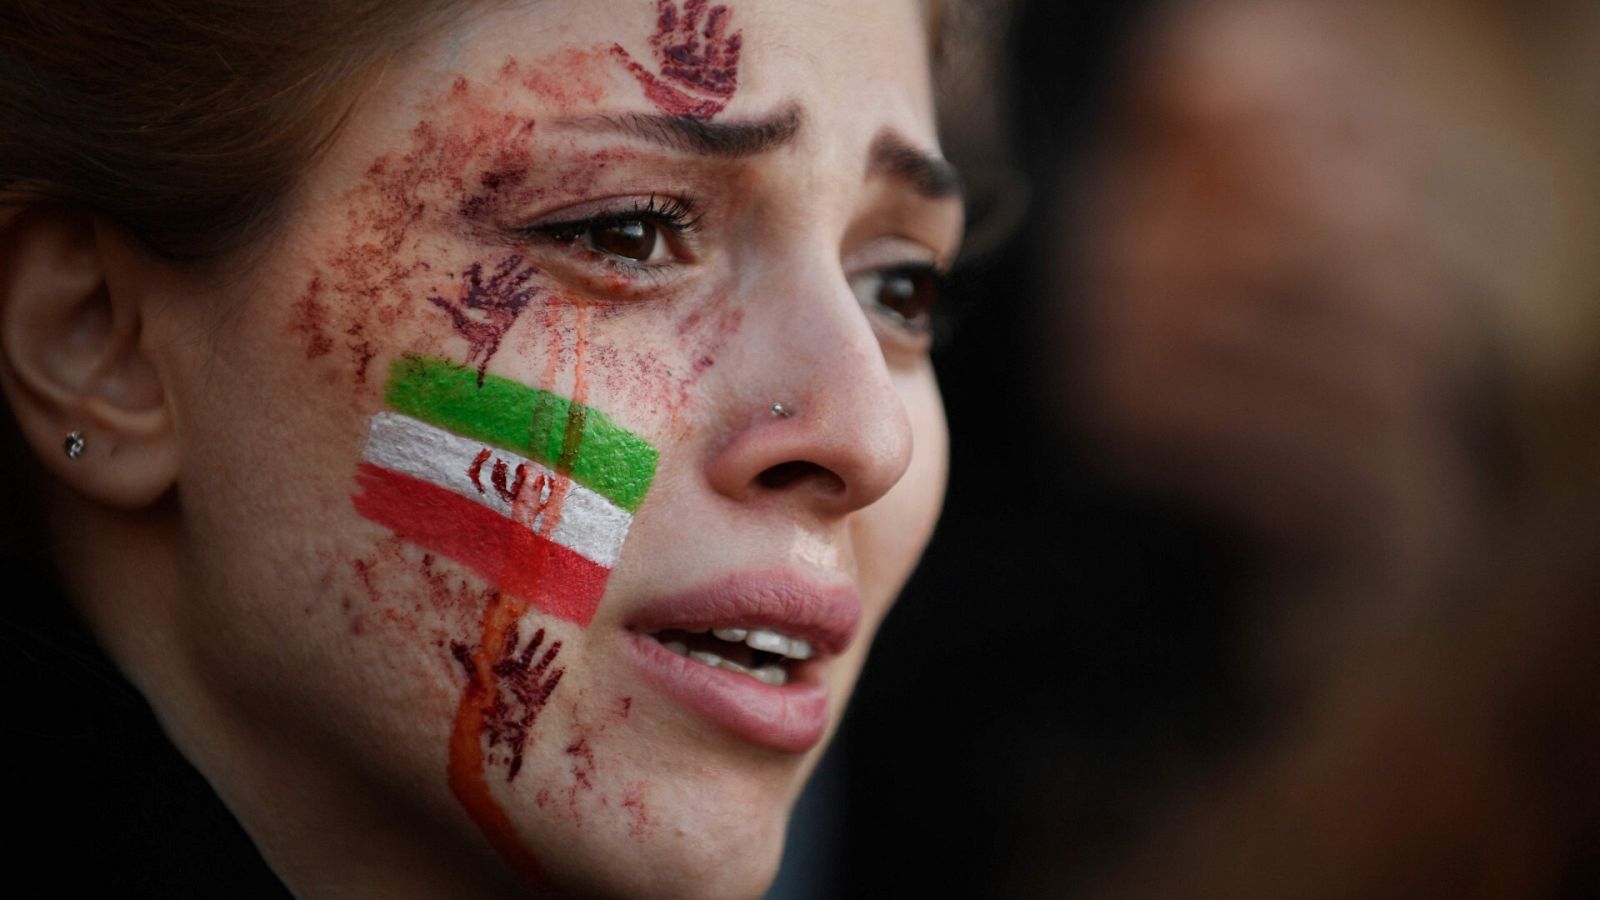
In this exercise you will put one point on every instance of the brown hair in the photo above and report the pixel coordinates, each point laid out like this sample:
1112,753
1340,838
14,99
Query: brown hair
185,121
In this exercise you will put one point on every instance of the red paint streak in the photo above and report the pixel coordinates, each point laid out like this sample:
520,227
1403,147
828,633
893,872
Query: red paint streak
640,823
510,557
362,349
311,321
697,67
564,81
532,500
552,505
495,184
580,349
488,309
480,700
582,768
364,574
454,596
663,384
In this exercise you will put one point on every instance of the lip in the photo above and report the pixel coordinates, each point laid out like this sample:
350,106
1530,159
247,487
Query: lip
792,718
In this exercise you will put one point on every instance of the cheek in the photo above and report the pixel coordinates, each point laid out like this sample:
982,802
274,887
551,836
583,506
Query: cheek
658,369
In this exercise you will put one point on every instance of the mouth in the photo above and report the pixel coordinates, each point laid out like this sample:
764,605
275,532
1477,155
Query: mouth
749,653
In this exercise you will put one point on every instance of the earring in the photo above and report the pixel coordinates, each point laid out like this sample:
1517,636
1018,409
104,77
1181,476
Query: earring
781,411
73,445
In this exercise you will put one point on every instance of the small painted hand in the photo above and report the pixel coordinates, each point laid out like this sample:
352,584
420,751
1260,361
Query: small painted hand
522,686
488,307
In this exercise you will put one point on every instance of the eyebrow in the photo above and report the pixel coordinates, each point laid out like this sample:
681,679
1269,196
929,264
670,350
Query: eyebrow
728,140
929,175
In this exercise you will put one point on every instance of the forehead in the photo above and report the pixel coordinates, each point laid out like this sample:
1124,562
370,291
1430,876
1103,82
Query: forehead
853,68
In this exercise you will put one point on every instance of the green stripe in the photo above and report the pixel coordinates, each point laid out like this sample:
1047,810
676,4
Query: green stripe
576,440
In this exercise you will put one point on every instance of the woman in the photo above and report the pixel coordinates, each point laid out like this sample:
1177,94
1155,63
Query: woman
488,438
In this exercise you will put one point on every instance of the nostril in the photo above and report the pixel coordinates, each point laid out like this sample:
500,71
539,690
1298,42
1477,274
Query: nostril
794,472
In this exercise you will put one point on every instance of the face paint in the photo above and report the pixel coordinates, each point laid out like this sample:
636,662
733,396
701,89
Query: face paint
532,491
695,79
488,308
506,690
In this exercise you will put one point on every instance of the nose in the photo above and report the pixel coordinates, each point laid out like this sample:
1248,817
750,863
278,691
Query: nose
810,411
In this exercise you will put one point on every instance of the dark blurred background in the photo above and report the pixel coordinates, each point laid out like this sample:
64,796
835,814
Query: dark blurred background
1268,566
1063,652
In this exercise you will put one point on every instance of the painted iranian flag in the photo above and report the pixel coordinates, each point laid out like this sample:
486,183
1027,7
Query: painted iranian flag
530,490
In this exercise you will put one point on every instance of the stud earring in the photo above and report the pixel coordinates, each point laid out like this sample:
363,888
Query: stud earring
780,411
73,445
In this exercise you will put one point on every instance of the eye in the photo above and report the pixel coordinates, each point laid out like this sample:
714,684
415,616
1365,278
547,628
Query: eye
635,240
905,295
640,236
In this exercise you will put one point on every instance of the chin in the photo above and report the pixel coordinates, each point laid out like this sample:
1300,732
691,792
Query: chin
705,851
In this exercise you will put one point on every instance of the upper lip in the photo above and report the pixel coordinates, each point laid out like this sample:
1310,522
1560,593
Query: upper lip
824,615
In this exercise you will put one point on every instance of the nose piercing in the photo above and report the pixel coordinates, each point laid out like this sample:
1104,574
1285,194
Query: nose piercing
73,445
781,411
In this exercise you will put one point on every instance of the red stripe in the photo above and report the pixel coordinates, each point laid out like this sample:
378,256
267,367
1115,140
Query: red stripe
512,558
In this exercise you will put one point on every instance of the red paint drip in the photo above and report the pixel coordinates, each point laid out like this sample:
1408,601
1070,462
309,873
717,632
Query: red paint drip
311,321
697,67
639,823
582,768
480,713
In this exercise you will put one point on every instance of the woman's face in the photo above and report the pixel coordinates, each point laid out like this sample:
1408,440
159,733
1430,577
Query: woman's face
600,327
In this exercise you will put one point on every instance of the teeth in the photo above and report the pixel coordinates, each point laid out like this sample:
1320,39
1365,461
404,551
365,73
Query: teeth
773,675
766,640
770,641
761,639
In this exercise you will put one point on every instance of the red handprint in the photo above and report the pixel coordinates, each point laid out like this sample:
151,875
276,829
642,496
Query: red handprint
698,63
495,303
523,684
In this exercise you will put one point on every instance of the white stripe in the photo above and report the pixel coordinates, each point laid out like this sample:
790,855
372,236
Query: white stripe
590,524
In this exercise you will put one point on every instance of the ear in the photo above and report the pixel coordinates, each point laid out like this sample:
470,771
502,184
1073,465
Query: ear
71,358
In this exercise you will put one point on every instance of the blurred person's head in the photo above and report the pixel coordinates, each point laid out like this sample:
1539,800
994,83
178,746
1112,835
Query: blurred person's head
1342,255
1298,239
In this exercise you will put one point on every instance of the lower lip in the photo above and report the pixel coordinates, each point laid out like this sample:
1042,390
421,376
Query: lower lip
791,718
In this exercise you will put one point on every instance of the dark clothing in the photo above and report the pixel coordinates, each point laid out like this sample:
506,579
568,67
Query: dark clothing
106,806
